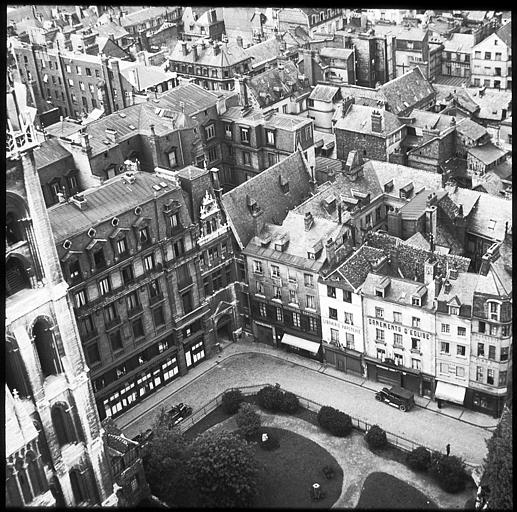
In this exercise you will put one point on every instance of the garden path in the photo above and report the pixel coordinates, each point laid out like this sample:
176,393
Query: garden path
357,462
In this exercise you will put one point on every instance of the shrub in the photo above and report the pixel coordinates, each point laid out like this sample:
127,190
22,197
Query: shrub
419,459
336,422
271,443
376,437
271,398
449,472
290,403
231,401
248,421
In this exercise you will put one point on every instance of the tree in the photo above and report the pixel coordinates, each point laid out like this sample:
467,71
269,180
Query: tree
376,437
271,398
165,462
449,472
498,476
231,401
419,459
223,470
336,422
248,421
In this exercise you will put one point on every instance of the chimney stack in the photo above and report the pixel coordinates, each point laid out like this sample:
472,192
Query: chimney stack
346,104
308,221
194,52
308,65
376,121
447,287
331,251
184,48
217,48
239,41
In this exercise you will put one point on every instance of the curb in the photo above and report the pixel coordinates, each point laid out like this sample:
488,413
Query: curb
217,361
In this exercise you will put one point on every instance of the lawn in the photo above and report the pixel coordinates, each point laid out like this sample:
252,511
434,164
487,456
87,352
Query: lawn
381,490
286,474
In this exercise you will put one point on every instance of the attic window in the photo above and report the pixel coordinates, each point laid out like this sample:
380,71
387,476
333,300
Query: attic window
379,292
406,191
329,203
252,205
121,114
491,224
107,142
388,187
132,127
415,301
281,243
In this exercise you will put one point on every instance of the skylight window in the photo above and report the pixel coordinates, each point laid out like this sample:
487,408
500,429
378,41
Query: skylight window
491,224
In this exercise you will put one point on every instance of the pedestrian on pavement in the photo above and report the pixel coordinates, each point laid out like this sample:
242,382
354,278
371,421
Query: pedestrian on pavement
448,449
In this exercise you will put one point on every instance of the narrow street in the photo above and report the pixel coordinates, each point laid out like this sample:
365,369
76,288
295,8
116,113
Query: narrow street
420,425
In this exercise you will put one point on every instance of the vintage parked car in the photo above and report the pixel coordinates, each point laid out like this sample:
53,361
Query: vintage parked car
178,413
396,397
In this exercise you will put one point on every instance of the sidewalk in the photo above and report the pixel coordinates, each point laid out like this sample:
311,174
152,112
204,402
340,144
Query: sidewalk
240,348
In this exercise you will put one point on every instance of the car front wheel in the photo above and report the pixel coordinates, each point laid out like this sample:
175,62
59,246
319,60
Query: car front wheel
378,397
403,408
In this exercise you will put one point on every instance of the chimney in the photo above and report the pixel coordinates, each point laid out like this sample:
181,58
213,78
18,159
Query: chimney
430,266
239,41
453,274
447,287
217,48
430,219
184,48
460,211
493,251
437,286
376,121
215,182
111,135
85,141
346,104
308,221
330,247
380,265
307,65
194,52
240,83
111,36
339,212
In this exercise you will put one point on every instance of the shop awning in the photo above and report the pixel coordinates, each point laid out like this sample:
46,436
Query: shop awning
450,392
294,341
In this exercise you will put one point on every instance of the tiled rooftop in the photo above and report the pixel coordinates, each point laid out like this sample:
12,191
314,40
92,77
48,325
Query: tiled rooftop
488,153
50,152
265,189
111,199
359,119
191,97
336,53
229,54
325,93
471,129
264,51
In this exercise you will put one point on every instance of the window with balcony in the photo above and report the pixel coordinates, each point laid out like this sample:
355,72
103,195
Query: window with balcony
132,303
116,341
104,286
127,274
333,313
80,298
331,292
149,263
399,359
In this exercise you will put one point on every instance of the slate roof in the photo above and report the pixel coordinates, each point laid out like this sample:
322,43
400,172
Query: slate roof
461,96
286,121
430,120
418,240
263,85
229,54
142,16
358,119
460,43
488,153
263,52
471,129
193,97
324,93
50,152
491,102
146,76
336,53
505,33
400,32
266,191
491,184
400,291
300,241
362,95
416,206
106,29
63,129
493,284
404,92
462,288
111,199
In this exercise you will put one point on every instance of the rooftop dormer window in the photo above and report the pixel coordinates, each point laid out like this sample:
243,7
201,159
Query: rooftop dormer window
416,301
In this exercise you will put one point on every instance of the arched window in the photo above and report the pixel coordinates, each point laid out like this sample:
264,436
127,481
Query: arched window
15,372
46,348
36,475
63,424
76,479
16,276
12,493
24,482
13,229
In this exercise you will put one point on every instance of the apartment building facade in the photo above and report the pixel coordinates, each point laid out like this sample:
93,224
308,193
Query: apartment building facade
491,60
131,263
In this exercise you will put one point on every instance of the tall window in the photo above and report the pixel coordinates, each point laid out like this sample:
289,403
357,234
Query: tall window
397,339
149,263
415,322
122,246
308,280
379,312
415,344
116,341
349,318
104,286
127,274
144,236
63,424
262,310
132,302
257,267
310,302
347,296
313,324
81,298
397,317
210,131
379,335
275,270
98,259
331,292
333,313
350,343
110,314
245,135
334,336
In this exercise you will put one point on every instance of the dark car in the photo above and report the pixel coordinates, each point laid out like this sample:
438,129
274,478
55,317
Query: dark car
178,413
396,397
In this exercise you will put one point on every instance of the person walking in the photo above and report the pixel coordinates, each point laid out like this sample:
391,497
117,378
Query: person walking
448,449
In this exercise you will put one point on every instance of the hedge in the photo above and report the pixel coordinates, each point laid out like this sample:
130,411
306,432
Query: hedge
231,401
336,422
376,437
419,459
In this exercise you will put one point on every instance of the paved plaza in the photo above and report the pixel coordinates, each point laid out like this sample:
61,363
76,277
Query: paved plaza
249,363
